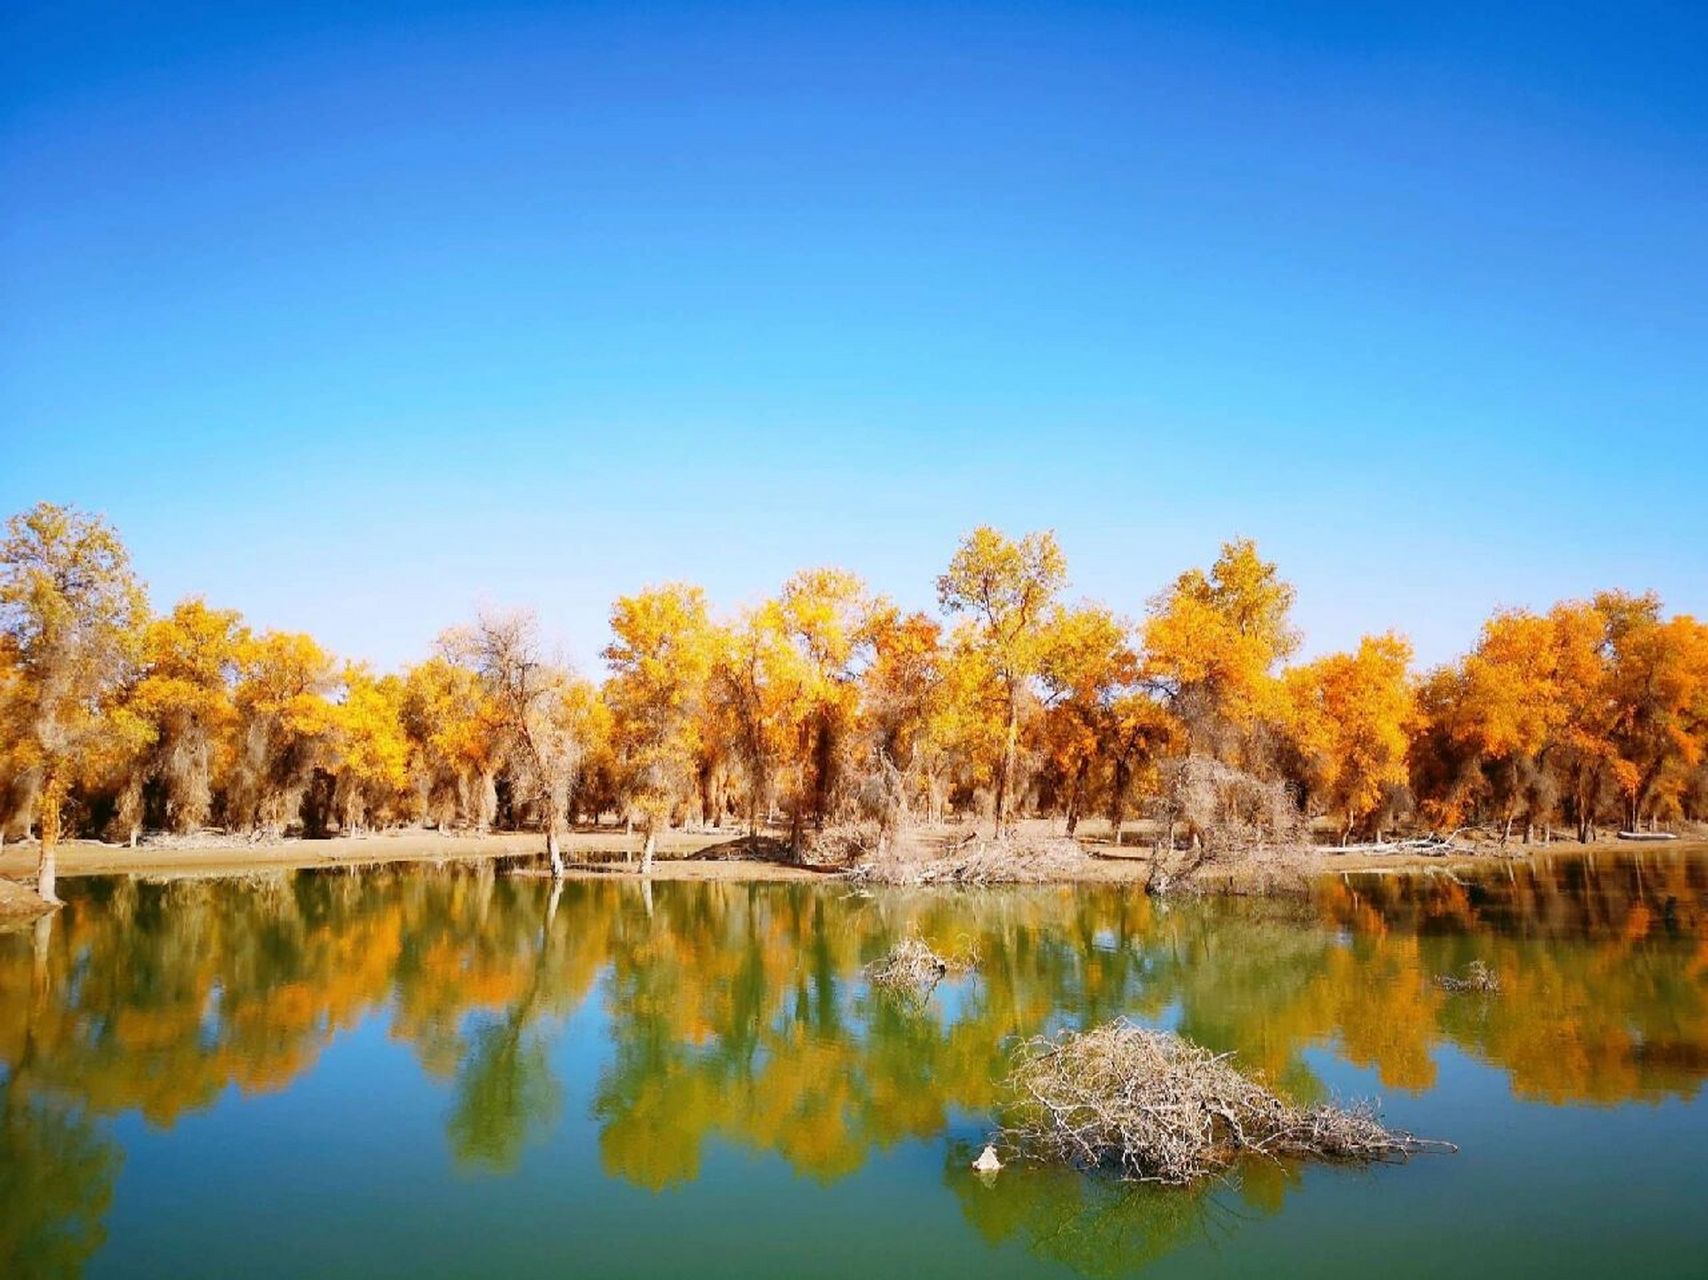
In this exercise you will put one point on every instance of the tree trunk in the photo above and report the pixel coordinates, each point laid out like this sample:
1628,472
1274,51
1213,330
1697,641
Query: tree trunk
553,851
647,851
1005,775
52,799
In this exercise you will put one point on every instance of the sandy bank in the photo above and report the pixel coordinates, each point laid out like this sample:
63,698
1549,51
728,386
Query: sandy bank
682,856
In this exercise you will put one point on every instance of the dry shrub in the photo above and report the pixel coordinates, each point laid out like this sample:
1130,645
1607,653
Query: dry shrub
981,862
1229,810
840,844
1478,978
1233,819
912,968
1153,1107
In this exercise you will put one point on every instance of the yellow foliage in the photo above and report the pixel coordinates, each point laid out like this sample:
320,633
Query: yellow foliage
1350,716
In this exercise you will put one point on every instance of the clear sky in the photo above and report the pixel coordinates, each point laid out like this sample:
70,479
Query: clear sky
356,317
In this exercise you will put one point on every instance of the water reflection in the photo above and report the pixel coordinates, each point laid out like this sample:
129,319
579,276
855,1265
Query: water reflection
736,1013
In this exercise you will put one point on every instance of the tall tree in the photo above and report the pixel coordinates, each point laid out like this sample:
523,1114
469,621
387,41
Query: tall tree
71,618
1659,683
1212,643
190,659
285,722
532,699
1351,714
826,615
1007,587
1087,663
661,656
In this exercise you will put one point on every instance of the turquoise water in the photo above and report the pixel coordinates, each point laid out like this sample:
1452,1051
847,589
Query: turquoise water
435,1072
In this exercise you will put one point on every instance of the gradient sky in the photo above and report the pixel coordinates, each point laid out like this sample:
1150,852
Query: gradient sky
355,321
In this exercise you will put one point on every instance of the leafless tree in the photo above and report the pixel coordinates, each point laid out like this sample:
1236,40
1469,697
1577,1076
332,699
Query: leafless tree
541,741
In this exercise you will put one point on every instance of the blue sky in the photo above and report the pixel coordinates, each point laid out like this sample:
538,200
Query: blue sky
356,321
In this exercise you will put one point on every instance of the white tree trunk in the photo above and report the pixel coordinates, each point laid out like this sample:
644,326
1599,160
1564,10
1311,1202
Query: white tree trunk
45,873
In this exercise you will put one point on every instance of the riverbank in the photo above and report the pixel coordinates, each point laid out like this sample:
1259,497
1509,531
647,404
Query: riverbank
681,856
19,904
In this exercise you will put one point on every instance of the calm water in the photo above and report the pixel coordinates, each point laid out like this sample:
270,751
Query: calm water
439,1073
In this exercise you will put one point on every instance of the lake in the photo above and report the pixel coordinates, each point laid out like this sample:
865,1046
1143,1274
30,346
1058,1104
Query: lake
436,1072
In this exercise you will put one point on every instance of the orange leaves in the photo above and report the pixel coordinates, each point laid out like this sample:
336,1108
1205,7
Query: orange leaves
1350,715
1213,640
661,656
372,746
829,702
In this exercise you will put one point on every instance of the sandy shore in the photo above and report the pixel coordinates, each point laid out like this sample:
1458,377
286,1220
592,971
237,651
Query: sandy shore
682,856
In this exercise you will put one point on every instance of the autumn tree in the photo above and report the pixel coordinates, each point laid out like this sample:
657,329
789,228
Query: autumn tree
755,686
1141,732
284,723
1659,682
190,663
901,694
71,619
1586,757
453,726
532,701
1007,587
1351,715
825,615
1212,643
1086,664
370,747
661,655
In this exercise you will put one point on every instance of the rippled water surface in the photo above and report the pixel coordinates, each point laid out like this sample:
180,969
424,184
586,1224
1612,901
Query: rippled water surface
441,1073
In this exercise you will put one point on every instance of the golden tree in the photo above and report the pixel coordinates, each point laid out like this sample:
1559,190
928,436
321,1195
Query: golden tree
661,656
190,659
284,723
71,619
1087,662
901,694
1007,587
826,616
1659,683
1212,643
1350,714
453,727
370,748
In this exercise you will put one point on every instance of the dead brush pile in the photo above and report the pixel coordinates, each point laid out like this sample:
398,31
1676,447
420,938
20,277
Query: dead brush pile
980,862
912,968
1478,978
1153,1107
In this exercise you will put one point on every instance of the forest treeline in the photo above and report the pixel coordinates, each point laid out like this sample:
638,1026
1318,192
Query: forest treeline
828,703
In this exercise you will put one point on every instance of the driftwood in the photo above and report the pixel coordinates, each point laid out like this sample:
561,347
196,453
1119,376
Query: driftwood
1430,846
1150,1106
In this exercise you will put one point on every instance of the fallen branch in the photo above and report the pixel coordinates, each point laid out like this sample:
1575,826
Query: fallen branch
1431,846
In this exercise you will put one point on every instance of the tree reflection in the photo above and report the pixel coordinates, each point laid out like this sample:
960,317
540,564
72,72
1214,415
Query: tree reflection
738,1014
57,1168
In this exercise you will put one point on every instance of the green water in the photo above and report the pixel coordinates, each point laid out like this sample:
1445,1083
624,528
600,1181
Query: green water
436,1073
